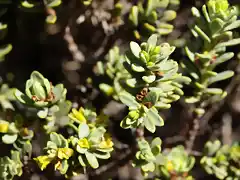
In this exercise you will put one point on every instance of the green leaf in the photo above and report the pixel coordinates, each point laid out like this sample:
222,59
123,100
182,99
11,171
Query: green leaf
5,50
134,15
135,48
54,137
150,167
214,91
54,3
149,79
9,138
43,113
205,13
92,160
150,7
131,82
223,58
83,130
153,116
202,34
156,142
192,99
107,89
190,54
137,68
232,42
216,26
152,40
81,161
232,26
128,100
169,15
220,77
102,155
26,4
195,12
161,105
149,124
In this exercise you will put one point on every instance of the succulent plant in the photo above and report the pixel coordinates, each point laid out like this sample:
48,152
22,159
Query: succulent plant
177,164
91,144
114,70
40,92
221,160
58,153
153,83
213,30
10,167
56,116
152,16
148,156
89,116
88,143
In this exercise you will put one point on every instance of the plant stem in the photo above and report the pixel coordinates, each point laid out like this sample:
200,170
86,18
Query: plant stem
74,127
192,134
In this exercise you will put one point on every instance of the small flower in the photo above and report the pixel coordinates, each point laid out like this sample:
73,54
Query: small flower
43,161
64,153
83,143
169,166
78,115
4,126
107,143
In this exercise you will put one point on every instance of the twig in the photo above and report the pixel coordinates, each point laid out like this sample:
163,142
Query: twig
193,134
121,158
72,46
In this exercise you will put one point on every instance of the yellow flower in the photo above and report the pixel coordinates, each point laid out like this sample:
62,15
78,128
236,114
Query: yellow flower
169,166
3,126
77,115
83,143
43,161
64,153
107,143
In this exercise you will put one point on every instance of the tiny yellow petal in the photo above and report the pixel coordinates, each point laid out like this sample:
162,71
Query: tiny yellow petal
83,143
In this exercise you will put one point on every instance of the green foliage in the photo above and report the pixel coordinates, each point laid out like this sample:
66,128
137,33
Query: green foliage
222,160
50,101
152,84
152,16
36,6
213,30
58,152
16,134
40,92
6,96
10,167
89,143
148,156
114,70
177,164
